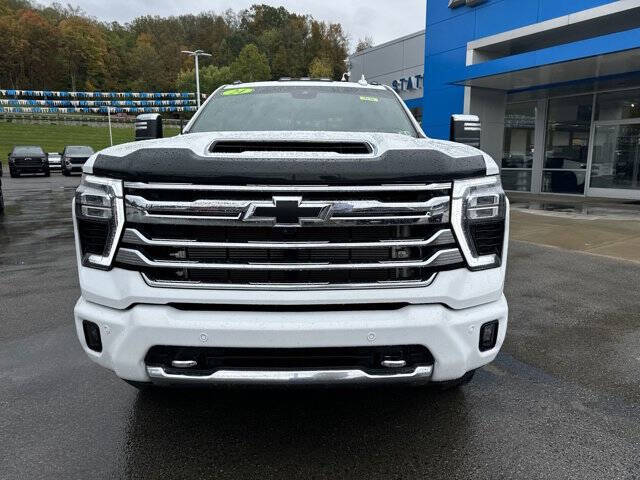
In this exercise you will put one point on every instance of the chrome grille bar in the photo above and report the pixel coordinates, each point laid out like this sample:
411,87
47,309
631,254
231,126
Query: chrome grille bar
134,257
133,236
233,212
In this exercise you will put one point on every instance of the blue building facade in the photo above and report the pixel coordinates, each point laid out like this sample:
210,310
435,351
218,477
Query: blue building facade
556,84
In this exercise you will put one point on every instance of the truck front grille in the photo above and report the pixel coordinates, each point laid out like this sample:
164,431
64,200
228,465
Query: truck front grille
28,162
287,237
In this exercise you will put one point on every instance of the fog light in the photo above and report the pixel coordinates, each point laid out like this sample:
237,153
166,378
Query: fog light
488,335
92,335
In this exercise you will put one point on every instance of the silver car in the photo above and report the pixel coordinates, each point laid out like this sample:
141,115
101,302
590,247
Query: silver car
55,161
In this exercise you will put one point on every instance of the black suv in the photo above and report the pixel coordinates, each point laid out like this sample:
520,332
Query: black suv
28,159
73,158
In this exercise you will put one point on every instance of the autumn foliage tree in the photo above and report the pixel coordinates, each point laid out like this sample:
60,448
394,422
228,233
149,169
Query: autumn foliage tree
59,48
320,68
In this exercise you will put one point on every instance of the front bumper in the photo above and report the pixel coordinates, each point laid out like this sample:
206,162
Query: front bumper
29,168
451,336
421,374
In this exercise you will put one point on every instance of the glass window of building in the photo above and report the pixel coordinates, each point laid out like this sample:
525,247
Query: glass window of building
567,149
615,160
616,157
620,105
517,156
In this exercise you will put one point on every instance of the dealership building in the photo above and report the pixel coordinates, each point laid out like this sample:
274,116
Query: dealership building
556,85
398,63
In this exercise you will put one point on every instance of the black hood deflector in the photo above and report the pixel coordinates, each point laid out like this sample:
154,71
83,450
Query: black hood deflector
182,165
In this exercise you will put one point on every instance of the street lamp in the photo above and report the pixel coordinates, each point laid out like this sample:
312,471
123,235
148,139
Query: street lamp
196,54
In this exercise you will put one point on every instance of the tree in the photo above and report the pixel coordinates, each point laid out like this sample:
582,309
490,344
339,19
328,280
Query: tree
251,65
280,64
83,51
320,68
145,63
211,77
364,43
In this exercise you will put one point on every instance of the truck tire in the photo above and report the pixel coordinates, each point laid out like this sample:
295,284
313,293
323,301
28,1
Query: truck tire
142,386
13,174
457,383
47,173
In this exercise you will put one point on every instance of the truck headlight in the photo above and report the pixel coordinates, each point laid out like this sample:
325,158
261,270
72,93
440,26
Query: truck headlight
99,218
479,215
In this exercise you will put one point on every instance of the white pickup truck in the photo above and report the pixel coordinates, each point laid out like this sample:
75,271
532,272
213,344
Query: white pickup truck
297,232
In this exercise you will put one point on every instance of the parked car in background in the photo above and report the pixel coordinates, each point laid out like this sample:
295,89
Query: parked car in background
28,159
55,160
1,199
73,158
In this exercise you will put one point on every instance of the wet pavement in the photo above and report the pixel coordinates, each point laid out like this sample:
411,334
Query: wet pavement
561,401
575,206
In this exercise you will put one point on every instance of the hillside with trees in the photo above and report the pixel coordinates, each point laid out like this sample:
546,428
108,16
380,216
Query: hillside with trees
61,48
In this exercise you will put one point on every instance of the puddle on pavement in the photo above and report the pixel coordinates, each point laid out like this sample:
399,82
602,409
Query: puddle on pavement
621,211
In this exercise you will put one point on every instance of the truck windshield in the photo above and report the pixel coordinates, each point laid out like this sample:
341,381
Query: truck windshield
34,151
310,108
88,151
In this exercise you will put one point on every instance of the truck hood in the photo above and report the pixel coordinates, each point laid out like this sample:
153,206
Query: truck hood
394,158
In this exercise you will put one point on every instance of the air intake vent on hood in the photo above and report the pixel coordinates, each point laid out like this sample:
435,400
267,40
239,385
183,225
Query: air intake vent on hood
353,148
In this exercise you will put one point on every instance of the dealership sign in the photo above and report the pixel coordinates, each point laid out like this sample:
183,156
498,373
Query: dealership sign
468,3
409,83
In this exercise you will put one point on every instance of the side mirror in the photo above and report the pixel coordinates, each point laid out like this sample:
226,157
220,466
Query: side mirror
148,126
466,129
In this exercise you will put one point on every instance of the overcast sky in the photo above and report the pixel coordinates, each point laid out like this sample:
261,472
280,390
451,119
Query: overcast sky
383,20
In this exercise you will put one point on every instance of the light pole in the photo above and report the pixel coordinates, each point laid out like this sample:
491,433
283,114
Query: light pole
196,54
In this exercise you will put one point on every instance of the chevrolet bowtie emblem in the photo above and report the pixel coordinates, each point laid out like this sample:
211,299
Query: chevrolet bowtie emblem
287,211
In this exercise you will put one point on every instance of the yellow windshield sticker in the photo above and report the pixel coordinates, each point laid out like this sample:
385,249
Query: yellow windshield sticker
237,91
369,99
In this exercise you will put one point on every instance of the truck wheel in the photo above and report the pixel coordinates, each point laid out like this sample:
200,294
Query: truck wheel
139,385
47,173
65,172
458,382
13,173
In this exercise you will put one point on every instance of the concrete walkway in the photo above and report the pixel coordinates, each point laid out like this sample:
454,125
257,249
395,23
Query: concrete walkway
599,226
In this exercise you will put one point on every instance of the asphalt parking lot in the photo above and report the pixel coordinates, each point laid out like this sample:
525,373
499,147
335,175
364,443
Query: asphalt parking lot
562,400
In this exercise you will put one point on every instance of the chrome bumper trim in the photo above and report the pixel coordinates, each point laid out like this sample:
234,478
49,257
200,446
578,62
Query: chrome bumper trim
290,377
288,286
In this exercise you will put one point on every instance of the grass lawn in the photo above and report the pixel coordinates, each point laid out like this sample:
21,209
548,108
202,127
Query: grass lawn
53,138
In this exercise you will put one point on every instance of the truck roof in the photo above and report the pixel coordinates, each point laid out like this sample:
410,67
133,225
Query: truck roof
306,83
